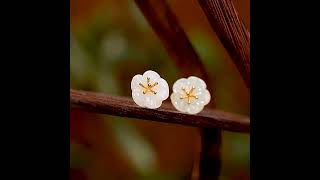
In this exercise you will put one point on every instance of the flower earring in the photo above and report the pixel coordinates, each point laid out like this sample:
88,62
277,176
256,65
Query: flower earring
190,95
149,90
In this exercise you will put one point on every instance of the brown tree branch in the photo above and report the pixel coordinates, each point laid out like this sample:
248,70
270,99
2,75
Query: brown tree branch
124,106
165,24
224,19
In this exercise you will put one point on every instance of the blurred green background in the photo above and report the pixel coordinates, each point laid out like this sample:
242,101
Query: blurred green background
110,42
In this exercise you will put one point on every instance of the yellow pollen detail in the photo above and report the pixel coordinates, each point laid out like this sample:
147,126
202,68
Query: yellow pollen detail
148,87
188,95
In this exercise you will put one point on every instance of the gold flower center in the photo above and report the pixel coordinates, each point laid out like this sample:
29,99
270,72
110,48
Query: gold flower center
148,87
188,95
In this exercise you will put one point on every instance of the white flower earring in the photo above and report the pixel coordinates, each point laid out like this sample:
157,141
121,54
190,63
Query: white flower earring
190,95
149,90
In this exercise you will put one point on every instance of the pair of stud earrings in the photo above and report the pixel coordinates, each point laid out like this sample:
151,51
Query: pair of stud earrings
189,95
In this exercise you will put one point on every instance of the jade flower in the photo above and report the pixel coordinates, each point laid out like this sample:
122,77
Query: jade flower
149,90
190,95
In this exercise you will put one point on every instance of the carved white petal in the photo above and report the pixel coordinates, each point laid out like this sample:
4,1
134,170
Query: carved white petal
207,97
162,89
197,82
138,97
149,100
196,105
203,97
178,103
152,101
194,108
179,84
136,80
152,75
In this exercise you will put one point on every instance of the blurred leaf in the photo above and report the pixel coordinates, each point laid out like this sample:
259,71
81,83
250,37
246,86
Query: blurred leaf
114,47
78,156
81,68
91,36
242,145
138,150
236,149
105,82
138,17
206,49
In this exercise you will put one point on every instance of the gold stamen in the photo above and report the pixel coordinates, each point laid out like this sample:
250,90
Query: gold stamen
153,85
149,87
189,94
142,85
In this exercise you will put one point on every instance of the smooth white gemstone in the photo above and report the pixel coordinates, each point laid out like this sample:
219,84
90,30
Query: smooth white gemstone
150,99
179,97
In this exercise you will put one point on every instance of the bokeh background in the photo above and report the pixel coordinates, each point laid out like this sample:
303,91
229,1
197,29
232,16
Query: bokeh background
110,42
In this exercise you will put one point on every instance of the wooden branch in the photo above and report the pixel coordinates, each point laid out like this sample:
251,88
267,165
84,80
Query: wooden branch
224,19
165,24
124,106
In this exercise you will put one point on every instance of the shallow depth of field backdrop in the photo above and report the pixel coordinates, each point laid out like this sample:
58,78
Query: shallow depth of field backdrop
110,42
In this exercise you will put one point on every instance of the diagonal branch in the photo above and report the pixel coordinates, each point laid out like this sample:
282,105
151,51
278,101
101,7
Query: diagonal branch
224,19
123,106
166,26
